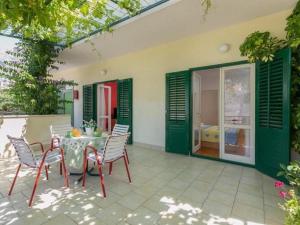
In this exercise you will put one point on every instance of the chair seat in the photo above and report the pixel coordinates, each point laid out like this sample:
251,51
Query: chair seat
51,158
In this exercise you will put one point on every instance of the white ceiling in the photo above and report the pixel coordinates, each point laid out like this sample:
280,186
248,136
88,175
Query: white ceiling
175,20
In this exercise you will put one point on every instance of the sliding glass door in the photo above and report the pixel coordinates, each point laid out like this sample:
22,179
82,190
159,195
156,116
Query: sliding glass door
237,113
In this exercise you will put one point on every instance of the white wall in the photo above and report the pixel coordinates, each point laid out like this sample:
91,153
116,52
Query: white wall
148,68
34,128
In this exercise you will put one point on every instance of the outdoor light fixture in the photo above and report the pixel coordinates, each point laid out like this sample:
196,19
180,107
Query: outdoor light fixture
103,72
224,48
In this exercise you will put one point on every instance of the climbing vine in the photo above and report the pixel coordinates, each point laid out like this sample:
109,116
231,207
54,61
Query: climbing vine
261,46
60,20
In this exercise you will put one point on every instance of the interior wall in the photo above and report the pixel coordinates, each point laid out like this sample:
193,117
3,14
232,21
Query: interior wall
113,86
210,84
210,107
149,66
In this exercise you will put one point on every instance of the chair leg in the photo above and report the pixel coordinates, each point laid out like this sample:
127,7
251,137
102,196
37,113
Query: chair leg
14,181
46,170
110,167
84,169
35,184
127,169
60,168
101,178
63,165
125,150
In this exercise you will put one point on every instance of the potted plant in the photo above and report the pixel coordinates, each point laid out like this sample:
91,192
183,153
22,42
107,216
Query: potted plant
290,194
89,127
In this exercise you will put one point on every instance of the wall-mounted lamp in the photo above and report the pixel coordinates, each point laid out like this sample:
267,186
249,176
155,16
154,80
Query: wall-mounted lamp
103,72
224,48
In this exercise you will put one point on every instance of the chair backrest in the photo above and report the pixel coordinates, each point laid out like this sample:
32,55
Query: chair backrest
23,151
120,129
114,147
58,130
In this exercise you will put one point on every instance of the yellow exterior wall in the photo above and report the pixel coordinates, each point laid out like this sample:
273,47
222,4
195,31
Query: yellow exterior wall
149,66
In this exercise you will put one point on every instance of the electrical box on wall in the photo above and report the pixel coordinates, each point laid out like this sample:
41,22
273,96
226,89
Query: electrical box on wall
75,94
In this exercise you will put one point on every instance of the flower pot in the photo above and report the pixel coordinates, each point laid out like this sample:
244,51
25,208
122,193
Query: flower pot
89,131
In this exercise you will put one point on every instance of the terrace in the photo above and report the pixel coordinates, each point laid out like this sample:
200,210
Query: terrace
165,189
203,93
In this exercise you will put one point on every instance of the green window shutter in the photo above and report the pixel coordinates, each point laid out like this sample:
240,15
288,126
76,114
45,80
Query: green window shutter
88,102
124,114
178,118
273,113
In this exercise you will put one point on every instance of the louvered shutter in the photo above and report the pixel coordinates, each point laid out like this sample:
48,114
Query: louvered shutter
178,88
273,113
88,102
124,114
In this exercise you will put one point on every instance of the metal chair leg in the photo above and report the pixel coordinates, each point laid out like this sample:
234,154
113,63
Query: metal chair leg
125,150
101,178
46,169
84,169
127,169
66,178
110,167
35,184
14,181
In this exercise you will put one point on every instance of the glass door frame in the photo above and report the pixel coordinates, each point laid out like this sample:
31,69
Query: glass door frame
101,114
251,126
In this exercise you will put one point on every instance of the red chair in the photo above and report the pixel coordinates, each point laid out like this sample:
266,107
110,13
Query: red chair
113,151
27,158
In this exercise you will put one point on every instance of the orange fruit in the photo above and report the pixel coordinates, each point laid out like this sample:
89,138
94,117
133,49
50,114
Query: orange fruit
76,132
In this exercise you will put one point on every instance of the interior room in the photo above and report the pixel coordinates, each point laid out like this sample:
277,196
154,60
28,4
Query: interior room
107,105
206,138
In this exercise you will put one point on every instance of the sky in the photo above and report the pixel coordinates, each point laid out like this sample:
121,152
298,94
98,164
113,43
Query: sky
6,43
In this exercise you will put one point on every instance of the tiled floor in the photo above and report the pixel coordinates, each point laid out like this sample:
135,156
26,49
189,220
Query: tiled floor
167,189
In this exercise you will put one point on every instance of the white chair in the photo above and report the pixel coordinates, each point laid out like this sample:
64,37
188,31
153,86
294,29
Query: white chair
120,129
26,157
57,131
113,151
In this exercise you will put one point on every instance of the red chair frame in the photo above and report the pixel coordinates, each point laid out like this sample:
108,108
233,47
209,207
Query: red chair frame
40,167
99,165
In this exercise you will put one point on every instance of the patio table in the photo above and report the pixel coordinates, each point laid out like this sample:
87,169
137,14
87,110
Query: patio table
74,147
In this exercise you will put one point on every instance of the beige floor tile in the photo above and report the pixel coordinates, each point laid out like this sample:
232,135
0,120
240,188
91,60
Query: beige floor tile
251,189
158,203
88,220
108,201
249,199
8,214
132,200
113,214
194,194
225,198
247,212
61,219
147,190
275,214
142,216
272,200
181,214
32,218
216,208
230,189
178,184
202,186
